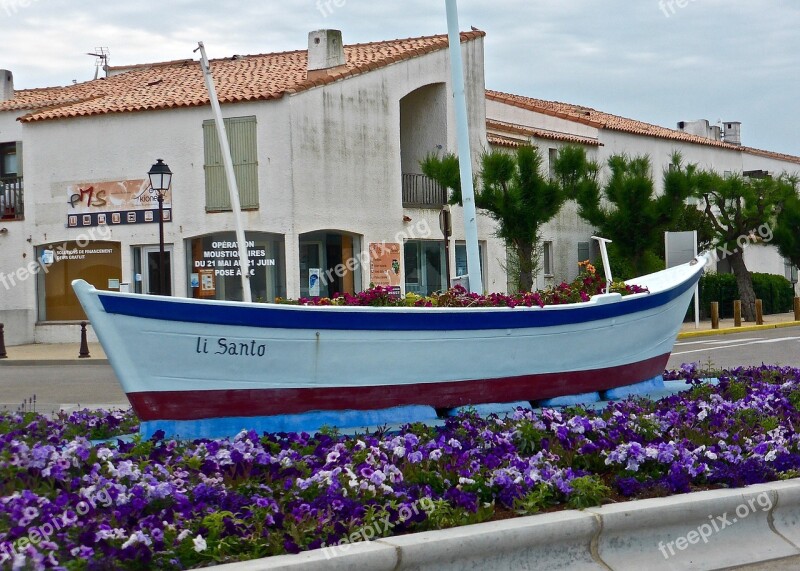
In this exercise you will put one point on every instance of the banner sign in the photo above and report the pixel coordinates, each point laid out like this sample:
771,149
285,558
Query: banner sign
114,203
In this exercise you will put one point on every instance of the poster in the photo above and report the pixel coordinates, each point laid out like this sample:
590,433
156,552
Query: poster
208,287
313,282
384,268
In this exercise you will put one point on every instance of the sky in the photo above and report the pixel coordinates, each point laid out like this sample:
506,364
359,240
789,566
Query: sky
659,61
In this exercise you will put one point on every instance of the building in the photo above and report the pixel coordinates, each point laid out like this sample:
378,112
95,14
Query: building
326,144
514,119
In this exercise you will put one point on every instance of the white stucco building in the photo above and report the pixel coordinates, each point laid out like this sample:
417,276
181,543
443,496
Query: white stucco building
550,125
326,145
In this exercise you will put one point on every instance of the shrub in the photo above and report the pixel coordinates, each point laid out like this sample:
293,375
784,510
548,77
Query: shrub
774,291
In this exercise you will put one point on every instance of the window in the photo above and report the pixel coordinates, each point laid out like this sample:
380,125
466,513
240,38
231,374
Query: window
547,259
242,140
424,266
584,251
552,156
461,260
9,160
213,266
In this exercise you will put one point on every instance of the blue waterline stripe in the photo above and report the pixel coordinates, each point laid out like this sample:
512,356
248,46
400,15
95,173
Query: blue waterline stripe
268,316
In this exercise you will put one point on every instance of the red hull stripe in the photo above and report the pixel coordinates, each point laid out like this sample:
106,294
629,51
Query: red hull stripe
195,405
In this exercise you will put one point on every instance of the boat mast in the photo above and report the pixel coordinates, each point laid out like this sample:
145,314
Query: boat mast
233,188
464,154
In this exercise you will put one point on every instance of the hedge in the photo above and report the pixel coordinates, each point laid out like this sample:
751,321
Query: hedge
776,293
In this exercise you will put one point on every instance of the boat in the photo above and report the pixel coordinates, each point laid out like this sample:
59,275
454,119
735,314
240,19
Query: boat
204,368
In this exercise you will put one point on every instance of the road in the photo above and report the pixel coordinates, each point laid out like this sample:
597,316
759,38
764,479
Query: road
57,385
770,346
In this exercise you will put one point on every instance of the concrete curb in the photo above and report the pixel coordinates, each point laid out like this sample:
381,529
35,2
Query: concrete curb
50,362
730,330
715,529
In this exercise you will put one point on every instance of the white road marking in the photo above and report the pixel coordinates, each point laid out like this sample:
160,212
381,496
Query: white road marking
717,341
754,342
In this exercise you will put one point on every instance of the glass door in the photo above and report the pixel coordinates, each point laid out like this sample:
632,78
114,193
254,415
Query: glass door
310,259
149,271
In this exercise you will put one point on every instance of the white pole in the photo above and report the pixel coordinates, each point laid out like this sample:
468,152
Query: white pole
233,188
606,266
696,291
464,154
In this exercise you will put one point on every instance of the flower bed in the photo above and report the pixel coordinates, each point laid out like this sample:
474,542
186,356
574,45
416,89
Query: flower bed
173,505
581,289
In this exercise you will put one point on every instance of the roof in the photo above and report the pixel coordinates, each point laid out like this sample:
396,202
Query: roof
173,84
503,129
601,120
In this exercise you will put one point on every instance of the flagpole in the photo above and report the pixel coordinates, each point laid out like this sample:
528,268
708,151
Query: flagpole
464,154
233,188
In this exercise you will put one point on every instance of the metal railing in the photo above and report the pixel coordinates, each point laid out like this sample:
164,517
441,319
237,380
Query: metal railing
419,191
12,205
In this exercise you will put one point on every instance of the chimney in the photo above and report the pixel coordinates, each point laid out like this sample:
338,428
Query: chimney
6,85
325,53
732,132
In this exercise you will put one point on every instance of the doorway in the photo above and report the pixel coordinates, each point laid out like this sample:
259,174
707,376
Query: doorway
147,270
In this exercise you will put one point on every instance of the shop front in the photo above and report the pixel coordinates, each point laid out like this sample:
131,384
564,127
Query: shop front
214,272
97,262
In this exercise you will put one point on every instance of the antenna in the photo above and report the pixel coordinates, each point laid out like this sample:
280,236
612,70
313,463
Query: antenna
102,60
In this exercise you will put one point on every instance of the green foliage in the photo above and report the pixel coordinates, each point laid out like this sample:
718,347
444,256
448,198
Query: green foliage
627,210
514,193
587,491
775,291
785,234
541,497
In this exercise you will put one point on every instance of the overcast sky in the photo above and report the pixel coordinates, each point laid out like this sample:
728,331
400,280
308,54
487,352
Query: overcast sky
660,62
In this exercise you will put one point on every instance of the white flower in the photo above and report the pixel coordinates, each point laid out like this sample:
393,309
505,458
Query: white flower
184,534
199,544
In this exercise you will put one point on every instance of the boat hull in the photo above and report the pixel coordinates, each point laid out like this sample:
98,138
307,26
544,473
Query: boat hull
188,360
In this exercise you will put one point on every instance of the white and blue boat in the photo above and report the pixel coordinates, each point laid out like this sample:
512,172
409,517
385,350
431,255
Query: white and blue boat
216,367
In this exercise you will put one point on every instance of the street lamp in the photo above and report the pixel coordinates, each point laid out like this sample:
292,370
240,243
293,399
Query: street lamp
160,182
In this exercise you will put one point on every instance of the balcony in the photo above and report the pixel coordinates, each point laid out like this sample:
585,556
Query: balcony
12,205
419,191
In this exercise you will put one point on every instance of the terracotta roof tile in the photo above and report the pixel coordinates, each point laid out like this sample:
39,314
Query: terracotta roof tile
601,120
503,129
179,83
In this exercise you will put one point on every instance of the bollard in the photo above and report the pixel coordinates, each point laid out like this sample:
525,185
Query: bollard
759,312
714,315
737,313
797,309
3,354
84,353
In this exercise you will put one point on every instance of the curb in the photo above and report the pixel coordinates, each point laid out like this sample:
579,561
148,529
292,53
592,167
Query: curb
713,529
730,330
50,362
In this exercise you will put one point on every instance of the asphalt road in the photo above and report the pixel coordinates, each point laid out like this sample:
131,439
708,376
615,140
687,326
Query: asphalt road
57,385
770,346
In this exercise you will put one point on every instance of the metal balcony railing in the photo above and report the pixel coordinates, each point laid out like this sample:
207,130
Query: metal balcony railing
12,205
419,191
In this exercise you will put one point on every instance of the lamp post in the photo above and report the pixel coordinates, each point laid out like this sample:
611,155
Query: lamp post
160,182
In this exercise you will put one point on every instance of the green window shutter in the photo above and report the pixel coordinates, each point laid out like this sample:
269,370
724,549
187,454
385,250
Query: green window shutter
19,159
242,140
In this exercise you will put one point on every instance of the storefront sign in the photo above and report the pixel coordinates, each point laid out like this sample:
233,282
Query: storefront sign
114,203
385,265
222,259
